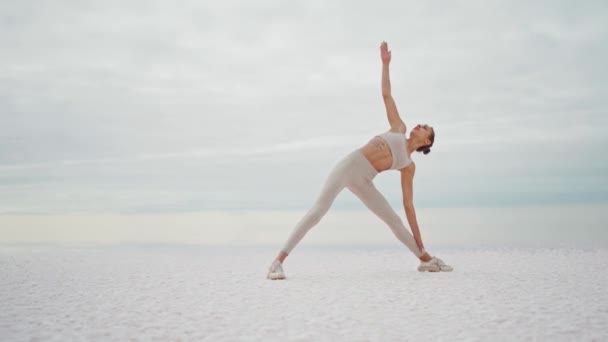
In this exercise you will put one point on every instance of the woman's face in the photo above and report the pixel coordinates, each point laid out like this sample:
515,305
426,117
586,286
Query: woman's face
422,132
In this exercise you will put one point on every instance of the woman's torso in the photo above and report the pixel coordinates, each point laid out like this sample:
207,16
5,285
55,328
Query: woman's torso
378,151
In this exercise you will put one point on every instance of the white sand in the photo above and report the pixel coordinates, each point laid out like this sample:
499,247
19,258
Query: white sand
346,294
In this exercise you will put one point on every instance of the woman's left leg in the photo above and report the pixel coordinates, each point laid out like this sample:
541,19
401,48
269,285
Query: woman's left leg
375,201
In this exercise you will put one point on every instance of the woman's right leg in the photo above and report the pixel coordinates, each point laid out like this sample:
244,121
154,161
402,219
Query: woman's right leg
334,184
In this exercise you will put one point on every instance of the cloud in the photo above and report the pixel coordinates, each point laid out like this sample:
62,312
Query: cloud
93,94
203,153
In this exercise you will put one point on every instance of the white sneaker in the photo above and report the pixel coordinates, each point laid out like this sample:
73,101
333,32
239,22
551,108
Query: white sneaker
429,266
275,271
443,266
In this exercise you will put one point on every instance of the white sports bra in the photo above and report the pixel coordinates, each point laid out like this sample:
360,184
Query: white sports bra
396,141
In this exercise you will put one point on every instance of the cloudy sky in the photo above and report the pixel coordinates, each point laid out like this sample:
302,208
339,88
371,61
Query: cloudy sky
155,106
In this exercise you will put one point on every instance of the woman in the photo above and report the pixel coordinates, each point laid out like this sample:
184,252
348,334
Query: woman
388,151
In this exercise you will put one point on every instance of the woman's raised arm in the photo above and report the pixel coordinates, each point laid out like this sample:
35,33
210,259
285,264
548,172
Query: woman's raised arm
391,108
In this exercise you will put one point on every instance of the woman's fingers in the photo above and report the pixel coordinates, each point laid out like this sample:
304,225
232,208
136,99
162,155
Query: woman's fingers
385,54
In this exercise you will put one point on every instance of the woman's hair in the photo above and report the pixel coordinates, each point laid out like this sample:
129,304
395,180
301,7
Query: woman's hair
427,149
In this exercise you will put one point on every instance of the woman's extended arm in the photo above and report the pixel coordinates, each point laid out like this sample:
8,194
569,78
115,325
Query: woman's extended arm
407,180
391,108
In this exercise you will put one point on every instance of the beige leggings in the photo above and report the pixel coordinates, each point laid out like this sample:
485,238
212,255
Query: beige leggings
356,173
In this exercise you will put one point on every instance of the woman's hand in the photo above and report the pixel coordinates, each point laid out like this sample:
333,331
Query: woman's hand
385,54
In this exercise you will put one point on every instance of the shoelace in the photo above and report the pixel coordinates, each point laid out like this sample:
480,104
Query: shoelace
442,264
275,266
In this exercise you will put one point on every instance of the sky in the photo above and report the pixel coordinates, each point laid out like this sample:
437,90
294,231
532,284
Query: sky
146,107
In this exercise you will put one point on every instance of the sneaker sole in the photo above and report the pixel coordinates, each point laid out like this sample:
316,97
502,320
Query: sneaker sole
428,269
275,276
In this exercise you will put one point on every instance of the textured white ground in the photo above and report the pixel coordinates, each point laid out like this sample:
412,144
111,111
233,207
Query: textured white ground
345,294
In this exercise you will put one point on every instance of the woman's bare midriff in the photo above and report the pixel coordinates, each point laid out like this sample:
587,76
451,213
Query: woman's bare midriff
378,153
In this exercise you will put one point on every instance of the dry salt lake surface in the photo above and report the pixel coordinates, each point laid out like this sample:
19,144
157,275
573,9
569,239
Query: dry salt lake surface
359,293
